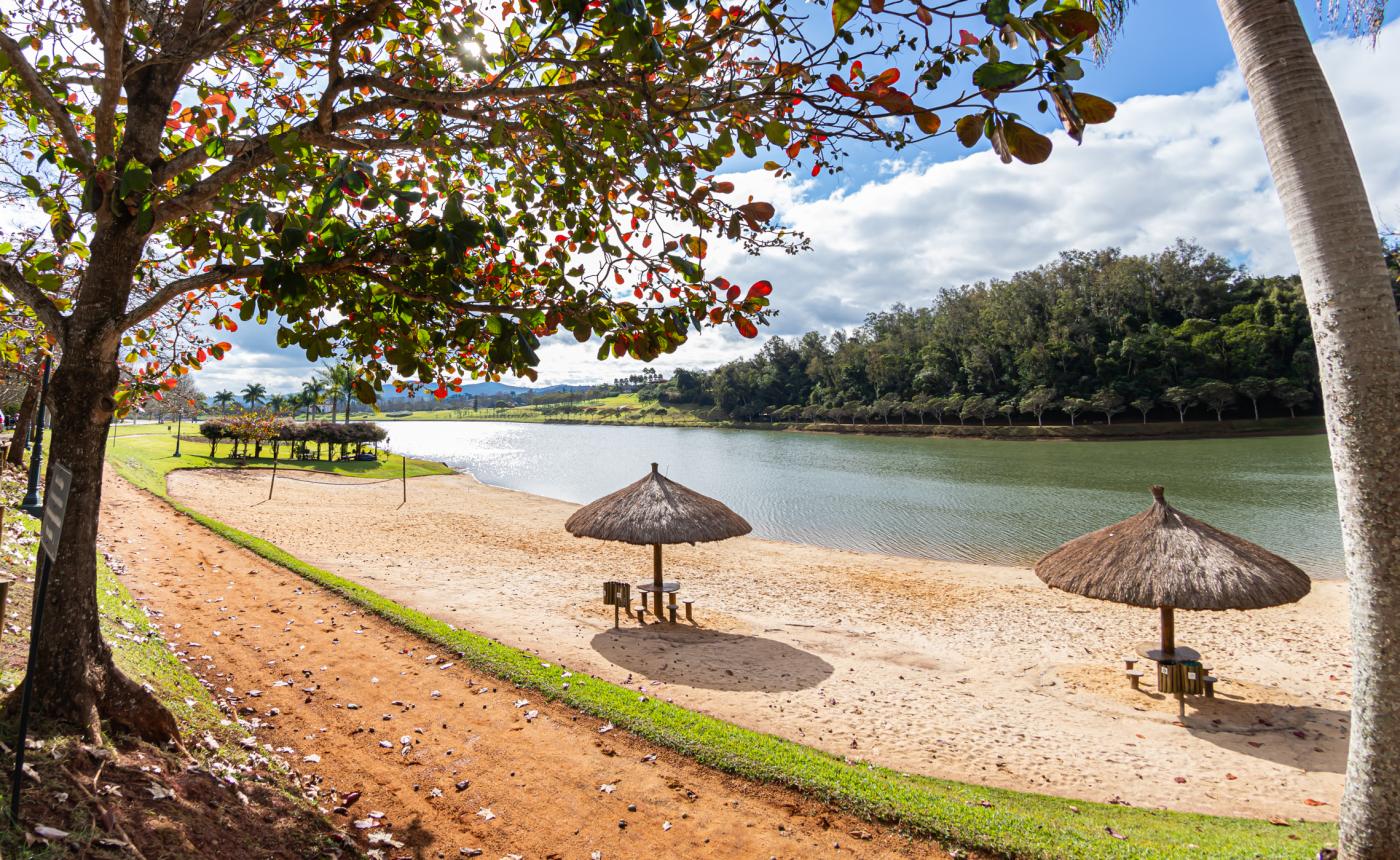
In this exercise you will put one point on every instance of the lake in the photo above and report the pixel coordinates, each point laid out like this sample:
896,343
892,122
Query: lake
959,499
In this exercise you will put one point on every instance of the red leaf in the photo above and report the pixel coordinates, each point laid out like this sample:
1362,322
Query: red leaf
816,169
885,79
760,288
732,294
966,38
840,86
746,328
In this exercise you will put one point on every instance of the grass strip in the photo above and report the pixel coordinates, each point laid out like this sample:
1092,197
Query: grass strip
1008,823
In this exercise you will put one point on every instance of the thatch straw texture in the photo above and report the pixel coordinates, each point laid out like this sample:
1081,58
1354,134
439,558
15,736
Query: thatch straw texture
1163,558
656,510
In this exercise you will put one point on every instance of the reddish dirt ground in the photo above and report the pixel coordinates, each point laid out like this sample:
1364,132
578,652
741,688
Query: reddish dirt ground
443,759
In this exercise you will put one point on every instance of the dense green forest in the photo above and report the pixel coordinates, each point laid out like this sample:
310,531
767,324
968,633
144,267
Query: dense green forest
1177,334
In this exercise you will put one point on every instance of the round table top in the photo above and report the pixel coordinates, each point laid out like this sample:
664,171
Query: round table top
666,587
1153,651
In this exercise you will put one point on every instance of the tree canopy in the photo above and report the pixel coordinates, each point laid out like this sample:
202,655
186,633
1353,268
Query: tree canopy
1101,327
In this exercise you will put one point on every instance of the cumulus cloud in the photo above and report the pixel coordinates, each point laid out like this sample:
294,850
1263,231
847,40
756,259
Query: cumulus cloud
1188,165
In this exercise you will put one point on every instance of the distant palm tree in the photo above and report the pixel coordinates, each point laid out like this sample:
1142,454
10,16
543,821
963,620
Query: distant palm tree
277,402
254,395
312,393
339,379
225,399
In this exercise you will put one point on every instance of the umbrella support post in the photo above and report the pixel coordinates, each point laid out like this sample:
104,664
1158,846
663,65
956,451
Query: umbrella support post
659,613
1168,631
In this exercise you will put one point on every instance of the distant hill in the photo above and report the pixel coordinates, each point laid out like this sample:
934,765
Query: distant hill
479,388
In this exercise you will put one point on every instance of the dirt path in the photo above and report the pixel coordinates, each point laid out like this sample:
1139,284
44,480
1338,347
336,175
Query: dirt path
446,755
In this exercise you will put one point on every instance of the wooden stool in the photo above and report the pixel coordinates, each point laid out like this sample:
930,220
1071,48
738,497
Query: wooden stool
671,610
1129,663
1209,681
642,614
1135,678
689,604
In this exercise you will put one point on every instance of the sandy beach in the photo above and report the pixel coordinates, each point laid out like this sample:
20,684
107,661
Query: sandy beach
963,671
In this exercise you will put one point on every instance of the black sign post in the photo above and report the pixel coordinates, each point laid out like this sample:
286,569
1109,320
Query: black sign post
55,505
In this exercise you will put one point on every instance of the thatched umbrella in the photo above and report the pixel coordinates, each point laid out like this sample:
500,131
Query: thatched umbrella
656,510
1163,559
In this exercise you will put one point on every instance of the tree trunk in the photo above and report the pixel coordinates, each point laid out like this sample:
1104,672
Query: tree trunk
1255,403
74,677
24,421
1357,336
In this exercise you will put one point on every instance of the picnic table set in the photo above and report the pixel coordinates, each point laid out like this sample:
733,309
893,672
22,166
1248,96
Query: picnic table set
1165,560
654,511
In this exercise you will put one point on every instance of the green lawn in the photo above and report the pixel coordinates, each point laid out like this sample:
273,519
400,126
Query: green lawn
145,460
1006,823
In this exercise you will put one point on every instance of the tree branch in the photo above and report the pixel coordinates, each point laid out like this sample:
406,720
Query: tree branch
20,288
62,122
111,31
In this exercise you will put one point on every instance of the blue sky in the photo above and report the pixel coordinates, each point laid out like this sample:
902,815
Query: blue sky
1182,159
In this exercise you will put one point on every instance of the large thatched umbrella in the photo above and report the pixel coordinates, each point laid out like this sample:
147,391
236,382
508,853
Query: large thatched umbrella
656,510
1163,559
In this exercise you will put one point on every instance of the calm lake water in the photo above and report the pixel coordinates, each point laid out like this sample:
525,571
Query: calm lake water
968,500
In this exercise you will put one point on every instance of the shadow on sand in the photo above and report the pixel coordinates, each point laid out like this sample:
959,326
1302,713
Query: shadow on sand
711,660
1302,736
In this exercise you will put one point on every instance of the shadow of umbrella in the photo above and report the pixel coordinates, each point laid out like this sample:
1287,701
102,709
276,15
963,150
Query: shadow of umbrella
710,660
1269,731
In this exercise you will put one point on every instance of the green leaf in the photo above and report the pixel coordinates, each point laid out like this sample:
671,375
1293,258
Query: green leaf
1001,75
843,11
136,178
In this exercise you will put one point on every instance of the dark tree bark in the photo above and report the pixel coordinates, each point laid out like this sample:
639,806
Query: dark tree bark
24,421
74,678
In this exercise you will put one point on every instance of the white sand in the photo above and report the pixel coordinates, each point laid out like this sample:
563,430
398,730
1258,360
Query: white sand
963,671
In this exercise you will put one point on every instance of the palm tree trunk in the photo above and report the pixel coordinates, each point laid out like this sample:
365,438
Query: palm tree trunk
1357,335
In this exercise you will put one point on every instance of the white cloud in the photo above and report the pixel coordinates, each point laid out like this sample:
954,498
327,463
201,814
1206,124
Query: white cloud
1188,165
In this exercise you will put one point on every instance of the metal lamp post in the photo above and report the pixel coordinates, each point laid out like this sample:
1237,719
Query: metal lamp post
179,410
31,504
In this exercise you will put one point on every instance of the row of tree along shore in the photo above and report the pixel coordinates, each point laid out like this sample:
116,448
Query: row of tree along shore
1169,336
259,429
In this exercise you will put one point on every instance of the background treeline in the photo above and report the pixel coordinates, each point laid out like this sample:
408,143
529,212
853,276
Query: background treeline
1096,332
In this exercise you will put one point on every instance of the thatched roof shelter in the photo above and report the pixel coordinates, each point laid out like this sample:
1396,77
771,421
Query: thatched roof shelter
656,511
1164,559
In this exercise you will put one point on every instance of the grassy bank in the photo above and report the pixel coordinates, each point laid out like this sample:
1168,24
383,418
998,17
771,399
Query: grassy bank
145,460
1004,822
628,411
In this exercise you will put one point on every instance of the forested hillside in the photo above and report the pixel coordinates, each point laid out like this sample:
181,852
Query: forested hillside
1177,333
